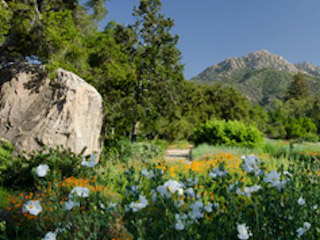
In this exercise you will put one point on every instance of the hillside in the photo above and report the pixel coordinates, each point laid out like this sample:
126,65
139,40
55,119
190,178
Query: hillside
260,75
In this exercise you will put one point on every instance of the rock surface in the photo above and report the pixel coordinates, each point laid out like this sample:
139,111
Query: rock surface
35,111
257,60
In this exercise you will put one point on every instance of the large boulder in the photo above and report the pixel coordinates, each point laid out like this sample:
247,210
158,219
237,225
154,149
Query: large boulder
35,111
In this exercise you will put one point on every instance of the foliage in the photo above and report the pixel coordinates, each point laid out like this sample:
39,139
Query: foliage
50,32
5,17
230,133
299,88
157,65
20,174
6,157
300,127
125,150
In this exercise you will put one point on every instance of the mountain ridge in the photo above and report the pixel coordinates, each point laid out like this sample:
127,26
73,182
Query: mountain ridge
259,75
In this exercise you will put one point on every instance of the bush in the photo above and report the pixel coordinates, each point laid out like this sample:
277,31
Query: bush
124,150
19,175
230,133
6,156
300,127
311,137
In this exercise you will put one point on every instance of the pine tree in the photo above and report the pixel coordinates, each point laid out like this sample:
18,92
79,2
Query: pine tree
157,63
299,88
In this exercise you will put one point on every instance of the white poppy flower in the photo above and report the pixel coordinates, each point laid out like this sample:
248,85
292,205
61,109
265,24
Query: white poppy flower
148,174
301,201
247,191
251,164
174,186
179,225
50,236
301,230
42,170
191,182
80,191
272,177
197,210
208,208
71,204
190,192
217,173
33,207
89,162
243,231
288,174
136,206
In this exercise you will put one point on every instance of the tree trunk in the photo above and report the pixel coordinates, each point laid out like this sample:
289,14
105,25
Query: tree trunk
135,132
138,100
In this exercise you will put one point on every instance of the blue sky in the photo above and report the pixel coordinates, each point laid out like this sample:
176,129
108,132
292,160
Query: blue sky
212,30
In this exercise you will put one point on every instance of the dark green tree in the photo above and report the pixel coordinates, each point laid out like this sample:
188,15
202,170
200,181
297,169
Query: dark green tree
158,68
49,31
299,88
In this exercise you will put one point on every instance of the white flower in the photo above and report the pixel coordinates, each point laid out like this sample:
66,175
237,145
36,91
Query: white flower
59,230
80,191
315,207
190,192
179,224
217,173
280,185
232,186
197,210
216,206
251,164
42,170
148,174
71,204
136,206
50,236
191,182
134,189
208,208
89,162
33,207
301,201
247,191
154,196
243,231
273,177
288,174
163,191
112,205
174,186
301,230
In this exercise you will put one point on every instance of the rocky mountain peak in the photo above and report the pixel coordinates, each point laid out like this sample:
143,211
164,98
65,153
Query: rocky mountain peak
258,60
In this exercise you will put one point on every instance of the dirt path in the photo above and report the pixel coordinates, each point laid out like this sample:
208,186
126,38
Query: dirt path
177,154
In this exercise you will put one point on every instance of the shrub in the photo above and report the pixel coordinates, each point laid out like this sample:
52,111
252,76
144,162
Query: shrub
230,133
20,173
300,127
6,156
125,150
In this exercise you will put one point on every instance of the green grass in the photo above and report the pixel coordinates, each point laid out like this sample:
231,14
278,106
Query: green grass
277,152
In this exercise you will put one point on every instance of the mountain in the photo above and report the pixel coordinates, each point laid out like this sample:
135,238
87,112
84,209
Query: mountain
309,68
261,76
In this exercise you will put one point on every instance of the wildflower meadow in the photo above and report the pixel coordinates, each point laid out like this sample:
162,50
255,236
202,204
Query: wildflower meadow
216,196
